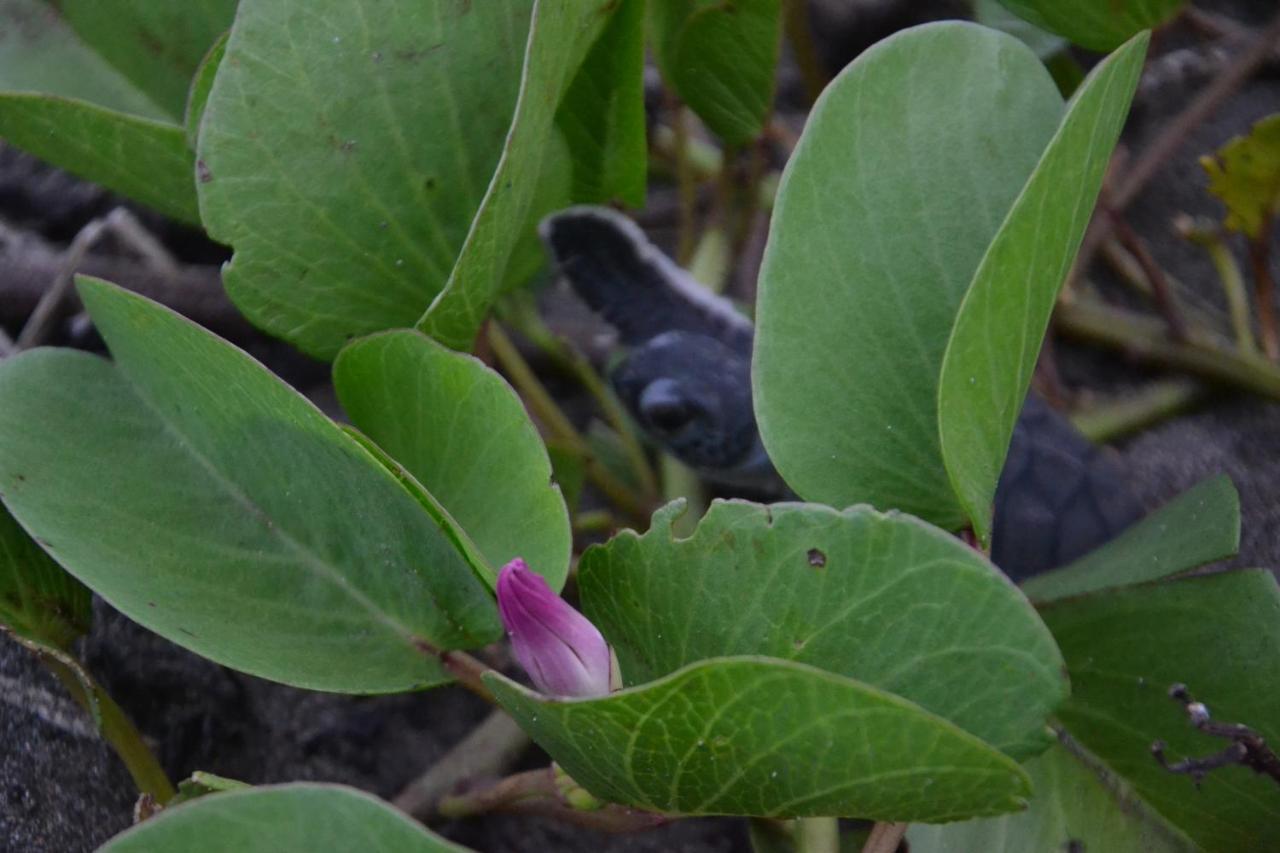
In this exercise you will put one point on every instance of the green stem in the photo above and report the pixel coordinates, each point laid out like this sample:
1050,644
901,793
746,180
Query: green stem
550,413
1229,275
1091,321
116,729
595,521
571,361
1135,412
817,835
796,23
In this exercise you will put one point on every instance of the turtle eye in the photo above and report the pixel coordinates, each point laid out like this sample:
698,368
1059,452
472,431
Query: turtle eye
665,408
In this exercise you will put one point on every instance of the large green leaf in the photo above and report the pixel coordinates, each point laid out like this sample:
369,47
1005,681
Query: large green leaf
560,37
1197,527
1001,322
721,57
905,171
1219,635
885,599
143,159
154,44
461,431
1075,807
757,736
1096,24
602,114
299,818
345,148
213,504
38,600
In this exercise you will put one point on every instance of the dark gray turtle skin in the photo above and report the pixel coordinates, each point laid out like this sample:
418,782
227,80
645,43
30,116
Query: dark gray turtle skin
686,380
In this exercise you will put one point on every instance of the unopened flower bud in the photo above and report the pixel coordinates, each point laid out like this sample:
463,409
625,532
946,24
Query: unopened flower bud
564,654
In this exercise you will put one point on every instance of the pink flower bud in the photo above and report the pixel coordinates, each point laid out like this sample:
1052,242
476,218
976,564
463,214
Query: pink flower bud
564,654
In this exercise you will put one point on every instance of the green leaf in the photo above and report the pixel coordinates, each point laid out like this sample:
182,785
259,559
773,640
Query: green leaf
345,149
1075,807
1001,322
40,53
905,171
211,503
990,13
764,737
602,114
560,37
201,86
1096,24
721,57
1219,635
1199,526
38,600
64,103
143,159
282,819
884,599
1245,175
201,784
462,432
156,46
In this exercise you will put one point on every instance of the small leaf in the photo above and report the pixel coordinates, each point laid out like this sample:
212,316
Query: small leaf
763,737
211,503
345,148
299,817
1001,321
905,171
1096,24
156,46
721,57
462,432
1075,807
143,159
201,86
990,13
602,114
885,599
38,600
1245,175
1199,526
1219,635
201,784
560,37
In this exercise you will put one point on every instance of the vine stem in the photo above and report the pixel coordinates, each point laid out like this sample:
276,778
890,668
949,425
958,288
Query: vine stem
115,727
817,835
884,837
550,413
1093,322
1264,288
489,749
795,21
534,792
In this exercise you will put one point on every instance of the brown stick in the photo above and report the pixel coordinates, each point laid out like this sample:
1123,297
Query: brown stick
1264,289
487,751
1153,272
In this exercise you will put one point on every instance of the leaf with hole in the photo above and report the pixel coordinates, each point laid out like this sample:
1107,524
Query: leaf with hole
885,599
211,503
